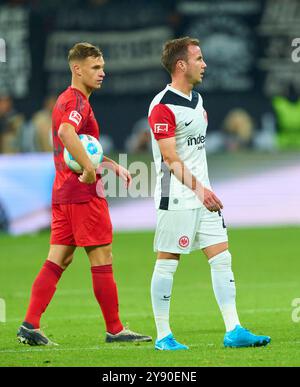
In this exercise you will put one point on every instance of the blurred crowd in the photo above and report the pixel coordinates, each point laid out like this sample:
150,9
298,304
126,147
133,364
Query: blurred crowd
20,135
240,119
238,131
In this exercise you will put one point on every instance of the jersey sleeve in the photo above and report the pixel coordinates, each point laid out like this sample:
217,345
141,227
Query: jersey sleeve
162,122
73,114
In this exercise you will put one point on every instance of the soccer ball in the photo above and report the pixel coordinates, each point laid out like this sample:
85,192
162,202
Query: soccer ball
93,149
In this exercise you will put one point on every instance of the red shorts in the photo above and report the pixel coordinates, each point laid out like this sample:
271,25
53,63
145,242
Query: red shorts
81,224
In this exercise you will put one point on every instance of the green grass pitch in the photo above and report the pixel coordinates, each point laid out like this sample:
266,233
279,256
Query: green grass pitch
266,265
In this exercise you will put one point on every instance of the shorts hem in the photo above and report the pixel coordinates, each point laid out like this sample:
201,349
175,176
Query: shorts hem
62,243
178,251
94,243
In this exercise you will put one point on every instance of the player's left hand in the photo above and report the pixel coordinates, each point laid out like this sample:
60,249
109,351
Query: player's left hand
87,176
124,174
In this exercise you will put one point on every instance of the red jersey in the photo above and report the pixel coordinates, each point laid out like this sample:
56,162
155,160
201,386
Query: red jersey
71,107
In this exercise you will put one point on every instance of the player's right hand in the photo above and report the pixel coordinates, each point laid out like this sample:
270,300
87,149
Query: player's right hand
88,176
211,201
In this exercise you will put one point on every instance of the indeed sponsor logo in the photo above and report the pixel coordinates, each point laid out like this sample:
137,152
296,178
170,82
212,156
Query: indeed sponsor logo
196,140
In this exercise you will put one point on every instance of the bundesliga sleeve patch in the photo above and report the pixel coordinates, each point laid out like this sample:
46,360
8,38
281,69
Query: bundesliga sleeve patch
162,122
161,128
75,117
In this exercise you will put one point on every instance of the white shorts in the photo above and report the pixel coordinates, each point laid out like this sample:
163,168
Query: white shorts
181,232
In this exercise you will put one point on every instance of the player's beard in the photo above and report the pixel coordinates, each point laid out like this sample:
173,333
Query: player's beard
95,86
200,79
196,82
98,85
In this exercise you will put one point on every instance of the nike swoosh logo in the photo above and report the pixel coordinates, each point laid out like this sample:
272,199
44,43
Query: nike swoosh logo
188,123
166,297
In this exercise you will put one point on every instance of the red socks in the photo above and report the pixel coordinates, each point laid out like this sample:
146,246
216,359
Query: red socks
42,292
105,290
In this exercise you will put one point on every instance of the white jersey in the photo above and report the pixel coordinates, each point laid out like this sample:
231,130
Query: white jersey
173,113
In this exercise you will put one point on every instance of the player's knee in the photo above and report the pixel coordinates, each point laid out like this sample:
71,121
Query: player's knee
106,253
163,255
60,261
101,255
214,250
67,262
108,259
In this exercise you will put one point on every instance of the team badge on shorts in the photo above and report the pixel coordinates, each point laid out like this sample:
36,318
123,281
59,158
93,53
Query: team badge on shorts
184,241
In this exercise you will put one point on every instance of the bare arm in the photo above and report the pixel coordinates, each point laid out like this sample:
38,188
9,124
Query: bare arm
120,171
110,164
70,139
183,174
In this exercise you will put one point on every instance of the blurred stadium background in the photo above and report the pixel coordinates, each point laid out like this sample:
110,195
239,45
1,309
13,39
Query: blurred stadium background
250,91
251,94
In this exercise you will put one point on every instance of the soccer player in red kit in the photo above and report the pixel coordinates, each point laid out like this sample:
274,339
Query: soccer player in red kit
80,215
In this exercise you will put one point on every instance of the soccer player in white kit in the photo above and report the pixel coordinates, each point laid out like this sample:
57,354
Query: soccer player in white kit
188,212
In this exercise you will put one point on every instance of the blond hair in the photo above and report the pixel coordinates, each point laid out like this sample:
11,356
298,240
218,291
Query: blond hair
81,51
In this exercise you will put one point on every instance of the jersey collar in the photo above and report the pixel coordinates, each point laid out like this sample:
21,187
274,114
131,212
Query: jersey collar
79,91
169,87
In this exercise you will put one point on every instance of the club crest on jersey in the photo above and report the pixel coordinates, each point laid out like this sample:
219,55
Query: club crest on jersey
75,117
184,241
161,128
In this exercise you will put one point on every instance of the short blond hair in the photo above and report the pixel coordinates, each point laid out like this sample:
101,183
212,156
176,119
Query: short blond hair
81,51
175,50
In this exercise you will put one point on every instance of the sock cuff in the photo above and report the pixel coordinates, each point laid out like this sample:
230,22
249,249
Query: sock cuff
166,265
221,260
102,269
56,269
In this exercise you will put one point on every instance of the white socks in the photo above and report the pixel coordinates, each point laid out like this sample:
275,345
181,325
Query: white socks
224,288
223,285
161,290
